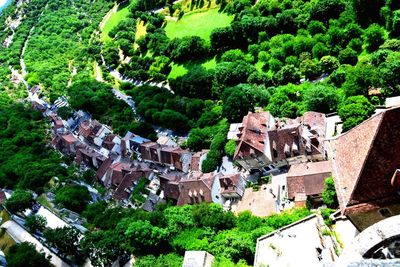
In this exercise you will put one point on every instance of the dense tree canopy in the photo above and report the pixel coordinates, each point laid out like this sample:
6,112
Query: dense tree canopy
73,197
25,255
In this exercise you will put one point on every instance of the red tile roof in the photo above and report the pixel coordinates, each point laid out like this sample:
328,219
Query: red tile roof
364,161
196,189
69,138
252,134
307,178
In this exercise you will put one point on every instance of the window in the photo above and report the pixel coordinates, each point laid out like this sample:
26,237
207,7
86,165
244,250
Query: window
385,212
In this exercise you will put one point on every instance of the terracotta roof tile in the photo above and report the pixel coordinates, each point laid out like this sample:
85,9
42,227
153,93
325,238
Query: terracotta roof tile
364,160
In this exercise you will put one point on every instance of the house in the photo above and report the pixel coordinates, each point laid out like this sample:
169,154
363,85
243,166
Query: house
166,141
151,202
266,143
100,135
66,143
149,151
196,188
232,186
169,184
4,196
197,160
87,129
365,166
88,156
130,144
122,177
197,259
307,180
175,157
56,124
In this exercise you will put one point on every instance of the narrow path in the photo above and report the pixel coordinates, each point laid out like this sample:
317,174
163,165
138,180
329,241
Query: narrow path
107,16
21,60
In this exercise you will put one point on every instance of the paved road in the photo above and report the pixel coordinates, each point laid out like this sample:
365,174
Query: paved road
20,235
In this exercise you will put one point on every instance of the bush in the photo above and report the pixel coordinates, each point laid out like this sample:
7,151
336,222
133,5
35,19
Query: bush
329,194
230,148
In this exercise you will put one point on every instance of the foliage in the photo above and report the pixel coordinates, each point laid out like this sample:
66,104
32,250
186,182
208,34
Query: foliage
65,239
230,148
374,37
355,110
329,194
25,159
139,189
36,223
321,98
25,255
170,260
73,197
19,201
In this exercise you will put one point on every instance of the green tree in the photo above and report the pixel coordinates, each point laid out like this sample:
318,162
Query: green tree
101,247
324,10
322,98
143,237
355,110
235,104
65,239
73,197
25,255
287,74
196,83
348,56
328,64
65,112
213,216
221,39
359,79
374,36
230,148
329,194
36,223
367,11
170,260
310,69
19,201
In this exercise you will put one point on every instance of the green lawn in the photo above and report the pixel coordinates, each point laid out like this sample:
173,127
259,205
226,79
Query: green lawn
198,23
116,17
180,70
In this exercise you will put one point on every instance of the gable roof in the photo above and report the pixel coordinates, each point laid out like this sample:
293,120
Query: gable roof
306,179
196,188
252,133
364,160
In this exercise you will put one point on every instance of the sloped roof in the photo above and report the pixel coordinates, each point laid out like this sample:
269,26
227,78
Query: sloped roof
252,134
198,185
364,160
309,168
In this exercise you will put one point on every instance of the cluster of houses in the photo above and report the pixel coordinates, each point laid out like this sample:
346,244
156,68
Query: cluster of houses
267,144
366,191
364,163
120,162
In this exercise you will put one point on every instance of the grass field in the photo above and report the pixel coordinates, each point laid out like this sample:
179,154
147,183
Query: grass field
180,70
198,23
121,14
141,30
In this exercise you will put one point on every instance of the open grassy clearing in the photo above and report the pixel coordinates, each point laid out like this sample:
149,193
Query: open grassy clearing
180,70
141,30
114,19
198,23
6,241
